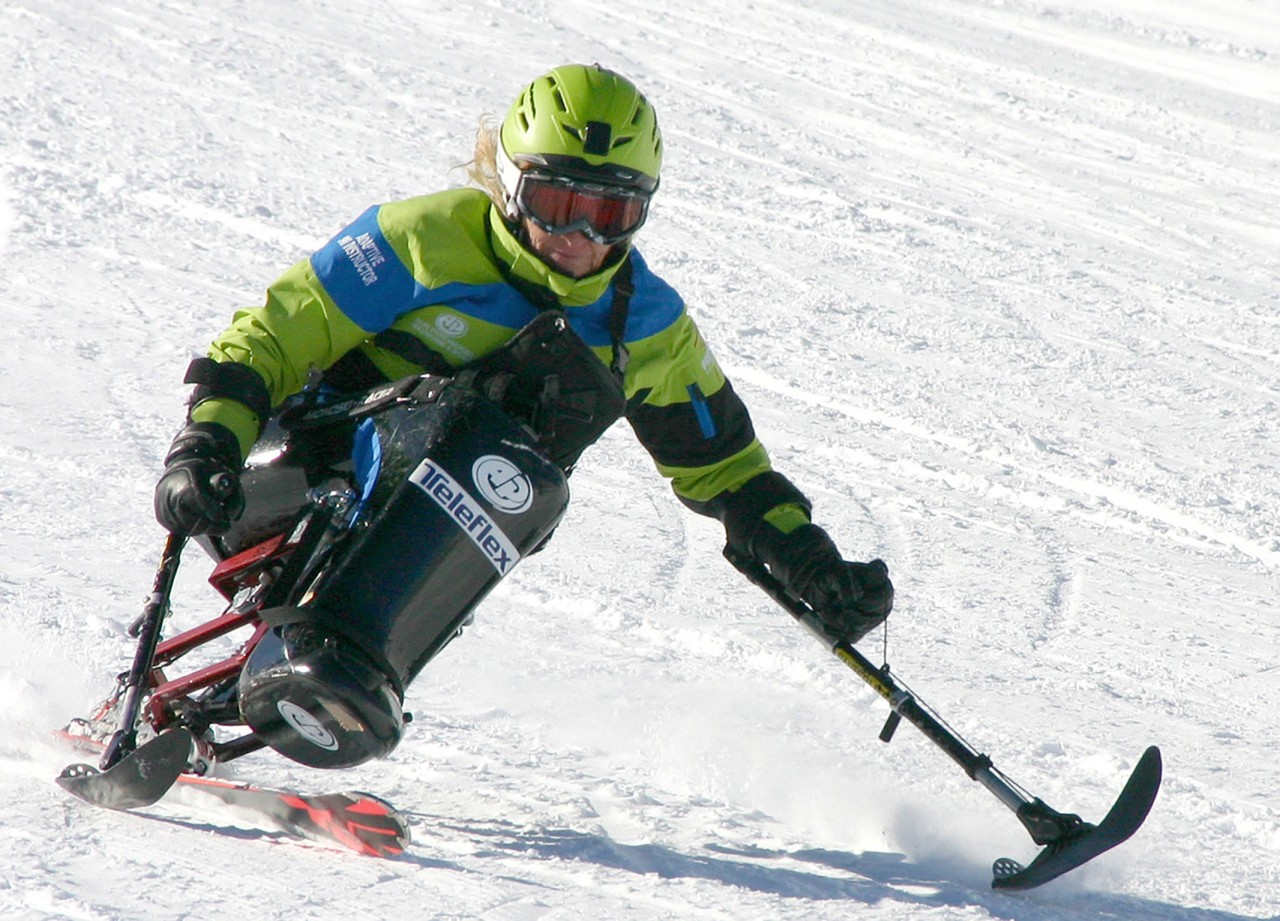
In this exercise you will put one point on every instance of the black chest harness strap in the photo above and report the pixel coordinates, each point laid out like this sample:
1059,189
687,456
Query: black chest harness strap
622,291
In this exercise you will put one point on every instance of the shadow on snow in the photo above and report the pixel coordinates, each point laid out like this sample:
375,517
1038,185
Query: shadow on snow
812,873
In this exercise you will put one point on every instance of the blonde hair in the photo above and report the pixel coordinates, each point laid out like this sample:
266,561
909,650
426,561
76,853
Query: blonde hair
483,168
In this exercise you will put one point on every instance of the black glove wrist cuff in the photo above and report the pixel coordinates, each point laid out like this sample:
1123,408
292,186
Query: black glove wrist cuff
743,511
794,557
206,439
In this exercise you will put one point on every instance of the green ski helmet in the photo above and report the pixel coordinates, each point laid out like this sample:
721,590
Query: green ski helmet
583,127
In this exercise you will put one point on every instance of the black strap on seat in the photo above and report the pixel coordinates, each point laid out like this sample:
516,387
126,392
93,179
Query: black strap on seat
549,379
413,350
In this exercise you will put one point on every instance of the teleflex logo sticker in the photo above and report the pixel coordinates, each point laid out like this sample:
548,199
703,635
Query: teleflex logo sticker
467,513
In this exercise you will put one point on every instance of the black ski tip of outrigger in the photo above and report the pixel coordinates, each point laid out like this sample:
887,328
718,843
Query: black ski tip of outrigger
140,778
1080,841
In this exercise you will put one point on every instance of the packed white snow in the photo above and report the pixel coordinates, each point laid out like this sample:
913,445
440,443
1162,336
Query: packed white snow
999,280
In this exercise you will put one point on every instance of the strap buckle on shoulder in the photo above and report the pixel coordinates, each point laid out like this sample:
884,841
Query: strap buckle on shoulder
623,288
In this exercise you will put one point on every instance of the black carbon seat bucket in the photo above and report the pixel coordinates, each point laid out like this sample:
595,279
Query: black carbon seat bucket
317,699
463,494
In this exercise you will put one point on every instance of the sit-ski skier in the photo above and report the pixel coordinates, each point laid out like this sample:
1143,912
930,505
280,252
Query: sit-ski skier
433,283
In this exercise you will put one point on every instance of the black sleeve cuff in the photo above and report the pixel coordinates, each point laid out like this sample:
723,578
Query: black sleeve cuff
230,380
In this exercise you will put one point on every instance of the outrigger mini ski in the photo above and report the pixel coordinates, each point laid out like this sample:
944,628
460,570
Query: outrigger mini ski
1067,840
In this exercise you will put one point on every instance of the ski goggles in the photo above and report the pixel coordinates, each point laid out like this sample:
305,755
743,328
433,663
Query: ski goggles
559,205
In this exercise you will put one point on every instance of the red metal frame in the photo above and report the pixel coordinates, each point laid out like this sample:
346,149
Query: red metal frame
228,577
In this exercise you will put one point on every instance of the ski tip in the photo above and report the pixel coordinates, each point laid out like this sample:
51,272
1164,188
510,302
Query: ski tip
1152,762
1139,793
141,778
1126,817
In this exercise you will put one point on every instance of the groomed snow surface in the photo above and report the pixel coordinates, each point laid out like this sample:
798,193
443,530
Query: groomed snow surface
998,279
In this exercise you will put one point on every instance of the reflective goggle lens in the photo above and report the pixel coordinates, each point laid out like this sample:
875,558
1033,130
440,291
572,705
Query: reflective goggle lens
561,207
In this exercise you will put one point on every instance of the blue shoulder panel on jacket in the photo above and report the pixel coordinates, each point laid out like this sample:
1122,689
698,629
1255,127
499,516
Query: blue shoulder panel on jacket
497,302
654,306
364,276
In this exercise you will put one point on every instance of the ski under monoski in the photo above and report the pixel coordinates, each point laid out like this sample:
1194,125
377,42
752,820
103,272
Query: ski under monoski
358,821
131,775
1067,841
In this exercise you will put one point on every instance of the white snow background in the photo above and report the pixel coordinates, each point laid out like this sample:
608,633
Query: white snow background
999,280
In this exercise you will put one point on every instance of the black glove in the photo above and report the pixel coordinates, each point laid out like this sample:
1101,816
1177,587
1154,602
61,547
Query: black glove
851,599
199,491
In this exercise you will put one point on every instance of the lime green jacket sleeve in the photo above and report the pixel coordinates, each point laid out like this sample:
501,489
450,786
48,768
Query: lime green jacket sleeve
298,328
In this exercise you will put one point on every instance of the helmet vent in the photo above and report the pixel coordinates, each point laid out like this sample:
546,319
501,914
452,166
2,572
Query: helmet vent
528,110
599,138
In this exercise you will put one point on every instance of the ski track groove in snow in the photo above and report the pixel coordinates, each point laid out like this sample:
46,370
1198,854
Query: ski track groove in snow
998,281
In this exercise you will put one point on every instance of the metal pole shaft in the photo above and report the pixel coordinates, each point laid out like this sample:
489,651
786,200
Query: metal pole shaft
147,628
977,766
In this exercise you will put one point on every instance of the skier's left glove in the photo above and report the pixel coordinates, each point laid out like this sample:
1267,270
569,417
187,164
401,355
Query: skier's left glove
199,491
850,598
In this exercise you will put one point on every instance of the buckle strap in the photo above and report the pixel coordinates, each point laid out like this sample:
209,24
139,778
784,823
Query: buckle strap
623,288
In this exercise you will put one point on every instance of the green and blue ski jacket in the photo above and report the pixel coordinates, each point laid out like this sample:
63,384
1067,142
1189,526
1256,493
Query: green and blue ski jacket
419,285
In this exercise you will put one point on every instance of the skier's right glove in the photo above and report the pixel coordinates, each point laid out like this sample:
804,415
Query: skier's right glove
199,491
851,599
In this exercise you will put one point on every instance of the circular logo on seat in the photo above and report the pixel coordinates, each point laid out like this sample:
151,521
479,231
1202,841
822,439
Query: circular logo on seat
503,484
307,726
